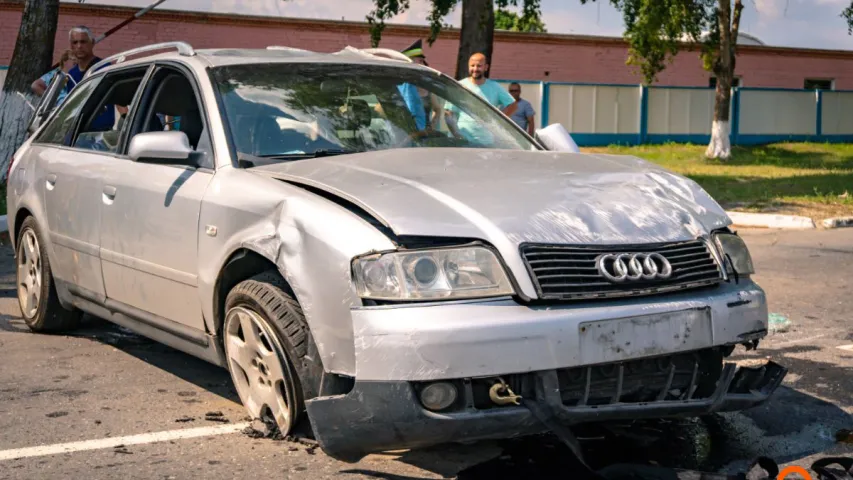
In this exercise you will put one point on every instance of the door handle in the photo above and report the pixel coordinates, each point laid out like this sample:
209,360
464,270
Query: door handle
109,194
51,181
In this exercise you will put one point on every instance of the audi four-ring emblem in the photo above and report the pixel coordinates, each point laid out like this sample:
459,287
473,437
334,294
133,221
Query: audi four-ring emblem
632,267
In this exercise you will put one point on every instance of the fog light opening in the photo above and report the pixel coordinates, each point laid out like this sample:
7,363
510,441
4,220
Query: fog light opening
438,396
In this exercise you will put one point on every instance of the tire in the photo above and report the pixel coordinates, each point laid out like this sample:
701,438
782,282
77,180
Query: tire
37,295
273,370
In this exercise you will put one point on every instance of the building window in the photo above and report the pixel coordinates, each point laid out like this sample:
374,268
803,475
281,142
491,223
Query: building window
712,82
818,84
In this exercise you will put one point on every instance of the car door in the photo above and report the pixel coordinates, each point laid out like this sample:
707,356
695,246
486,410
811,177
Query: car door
149,219
69,183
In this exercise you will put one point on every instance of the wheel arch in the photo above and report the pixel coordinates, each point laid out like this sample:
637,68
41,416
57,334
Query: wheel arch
242,264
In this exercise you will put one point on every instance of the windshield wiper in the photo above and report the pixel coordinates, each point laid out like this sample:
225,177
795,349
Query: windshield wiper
315,154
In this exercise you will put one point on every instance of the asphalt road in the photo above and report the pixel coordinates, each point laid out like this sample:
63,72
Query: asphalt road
105,382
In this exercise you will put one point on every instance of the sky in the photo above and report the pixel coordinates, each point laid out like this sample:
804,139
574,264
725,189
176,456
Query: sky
789,23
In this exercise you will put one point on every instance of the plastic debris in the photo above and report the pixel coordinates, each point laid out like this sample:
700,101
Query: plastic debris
779,323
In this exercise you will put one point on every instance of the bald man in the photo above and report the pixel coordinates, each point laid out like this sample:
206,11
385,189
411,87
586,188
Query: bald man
463,125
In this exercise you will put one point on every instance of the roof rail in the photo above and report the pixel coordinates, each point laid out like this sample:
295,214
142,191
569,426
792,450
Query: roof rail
386,53
288,49
183,48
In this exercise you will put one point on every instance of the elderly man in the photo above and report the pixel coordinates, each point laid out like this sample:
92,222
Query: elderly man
83,47
462,125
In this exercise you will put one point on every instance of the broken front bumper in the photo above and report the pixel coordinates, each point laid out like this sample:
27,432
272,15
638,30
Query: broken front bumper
634,358
379,416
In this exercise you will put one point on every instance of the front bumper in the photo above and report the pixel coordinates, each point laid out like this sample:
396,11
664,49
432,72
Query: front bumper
476,339
633,358
380,416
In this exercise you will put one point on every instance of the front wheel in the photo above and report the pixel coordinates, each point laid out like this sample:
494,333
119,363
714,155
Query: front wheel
37,296
265,333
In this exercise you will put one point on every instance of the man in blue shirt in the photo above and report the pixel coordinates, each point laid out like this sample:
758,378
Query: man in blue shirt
83,46
460,123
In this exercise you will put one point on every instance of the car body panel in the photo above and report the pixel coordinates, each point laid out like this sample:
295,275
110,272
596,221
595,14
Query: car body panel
501,337
517,197
149,238
308,252
71,181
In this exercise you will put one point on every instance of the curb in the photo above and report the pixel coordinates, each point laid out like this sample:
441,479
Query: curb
838,222
766,220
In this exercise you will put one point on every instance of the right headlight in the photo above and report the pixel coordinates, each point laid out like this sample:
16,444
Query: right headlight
736,255
445,273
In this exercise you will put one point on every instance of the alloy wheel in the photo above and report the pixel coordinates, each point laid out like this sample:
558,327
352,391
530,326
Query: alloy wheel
29,273
259,368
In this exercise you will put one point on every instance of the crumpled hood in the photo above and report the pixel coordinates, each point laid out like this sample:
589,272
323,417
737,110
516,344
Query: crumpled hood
512,197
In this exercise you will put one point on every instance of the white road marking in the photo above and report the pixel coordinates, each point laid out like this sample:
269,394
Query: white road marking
846,347
114,442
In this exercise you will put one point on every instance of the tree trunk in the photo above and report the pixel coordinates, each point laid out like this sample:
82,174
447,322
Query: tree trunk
477,34
724,70
32,58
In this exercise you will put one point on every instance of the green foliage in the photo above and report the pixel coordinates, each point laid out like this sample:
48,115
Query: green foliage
655,30
848,15
386,9
509,20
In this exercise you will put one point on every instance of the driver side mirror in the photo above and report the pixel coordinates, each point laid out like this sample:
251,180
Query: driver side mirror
556,138
170,147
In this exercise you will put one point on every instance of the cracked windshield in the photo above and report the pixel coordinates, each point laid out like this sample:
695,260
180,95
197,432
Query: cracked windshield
291,110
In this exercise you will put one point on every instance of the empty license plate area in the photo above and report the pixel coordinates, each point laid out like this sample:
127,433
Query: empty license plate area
645,336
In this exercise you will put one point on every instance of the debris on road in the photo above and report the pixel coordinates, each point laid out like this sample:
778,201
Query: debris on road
215,417
779,323
263,429
185,419
122,449
56,414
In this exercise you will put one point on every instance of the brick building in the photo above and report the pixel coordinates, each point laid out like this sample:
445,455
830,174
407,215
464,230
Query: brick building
536,57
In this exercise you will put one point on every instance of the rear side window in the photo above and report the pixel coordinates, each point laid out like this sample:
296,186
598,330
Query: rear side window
61,128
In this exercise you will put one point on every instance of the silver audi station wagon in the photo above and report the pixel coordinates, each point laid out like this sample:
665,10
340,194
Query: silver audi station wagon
288,215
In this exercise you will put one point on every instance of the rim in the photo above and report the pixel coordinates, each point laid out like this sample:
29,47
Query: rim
259,368
29,273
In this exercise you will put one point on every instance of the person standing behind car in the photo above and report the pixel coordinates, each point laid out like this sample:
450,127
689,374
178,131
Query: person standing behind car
461,124
523,113
83,47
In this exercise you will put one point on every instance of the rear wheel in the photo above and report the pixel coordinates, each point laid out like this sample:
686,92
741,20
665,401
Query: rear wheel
266,338
37,296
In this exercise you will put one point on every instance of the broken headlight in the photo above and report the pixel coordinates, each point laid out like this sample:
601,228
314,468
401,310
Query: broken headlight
735,254
448,273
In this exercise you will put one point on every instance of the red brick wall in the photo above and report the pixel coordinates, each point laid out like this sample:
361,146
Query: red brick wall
547,57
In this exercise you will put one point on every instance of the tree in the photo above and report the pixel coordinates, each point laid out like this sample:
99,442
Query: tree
656,30
32,57
508,20
478,23
848,15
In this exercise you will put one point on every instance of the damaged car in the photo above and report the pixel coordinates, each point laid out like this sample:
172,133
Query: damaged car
285,215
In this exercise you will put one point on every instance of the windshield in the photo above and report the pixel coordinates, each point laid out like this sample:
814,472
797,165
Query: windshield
308,110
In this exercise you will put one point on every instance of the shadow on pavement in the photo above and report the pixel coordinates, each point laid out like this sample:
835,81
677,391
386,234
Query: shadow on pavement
184,366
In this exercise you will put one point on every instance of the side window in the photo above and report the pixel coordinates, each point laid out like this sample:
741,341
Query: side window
170,103
103,117
61,127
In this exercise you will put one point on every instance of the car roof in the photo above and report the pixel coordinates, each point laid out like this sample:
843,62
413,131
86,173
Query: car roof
217,57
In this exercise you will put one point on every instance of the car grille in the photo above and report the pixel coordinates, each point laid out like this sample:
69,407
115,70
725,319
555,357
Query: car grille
569,272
